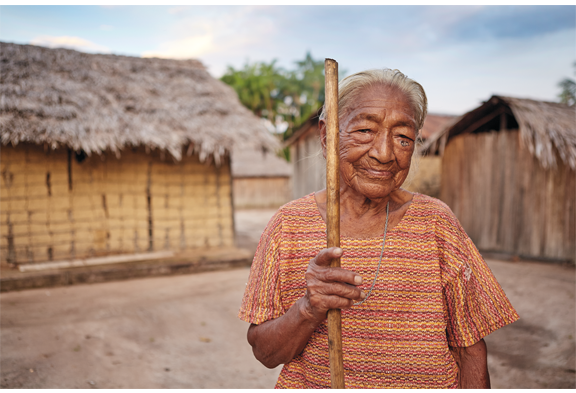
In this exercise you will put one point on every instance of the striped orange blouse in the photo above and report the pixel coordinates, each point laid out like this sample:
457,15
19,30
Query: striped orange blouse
434,290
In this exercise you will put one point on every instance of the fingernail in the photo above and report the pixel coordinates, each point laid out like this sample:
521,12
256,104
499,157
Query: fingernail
358,280
363,294
338,251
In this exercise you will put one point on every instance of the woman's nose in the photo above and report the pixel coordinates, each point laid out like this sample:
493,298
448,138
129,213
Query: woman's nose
382,148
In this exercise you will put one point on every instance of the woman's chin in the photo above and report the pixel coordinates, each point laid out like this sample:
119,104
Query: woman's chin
375,191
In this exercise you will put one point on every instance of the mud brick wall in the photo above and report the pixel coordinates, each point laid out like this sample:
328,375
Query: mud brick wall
55,204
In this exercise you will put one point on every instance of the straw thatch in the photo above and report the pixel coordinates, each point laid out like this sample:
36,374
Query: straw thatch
547,129
95,103
545,126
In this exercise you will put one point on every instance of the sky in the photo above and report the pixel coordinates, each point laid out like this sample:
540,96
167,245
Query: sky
462,55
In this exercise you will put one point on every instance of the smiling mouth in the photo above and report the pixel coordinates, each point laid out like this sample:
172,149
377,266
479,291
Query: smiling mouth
378,173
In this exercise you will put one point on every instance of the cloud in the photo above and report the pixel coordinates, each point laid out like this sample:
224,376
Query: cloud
70,43
178,10
185,48
230,31
515,22
401,29
106,27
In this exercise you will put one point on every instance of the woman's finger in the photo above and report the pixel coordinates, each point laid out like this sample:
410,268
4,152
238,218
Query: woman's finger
337,289
325,256
330,302
337,274
319,268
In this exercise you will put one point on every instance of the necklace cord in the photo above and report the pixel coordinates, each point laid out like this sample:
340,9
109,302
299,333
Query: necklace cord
380,261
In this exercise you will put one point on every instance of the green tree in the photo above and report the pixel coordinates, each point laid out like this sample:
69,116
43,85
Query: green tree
304,92
256,86
568,86
285,97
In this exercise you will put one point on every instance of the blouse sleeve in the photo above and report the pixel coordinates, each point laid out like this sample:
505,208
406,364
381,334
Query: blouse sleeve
261,301
475,304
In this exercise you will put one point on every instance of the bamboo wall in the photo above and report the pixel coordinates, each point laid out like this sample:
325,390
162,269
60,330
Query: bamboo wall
504,199
53,207
261,192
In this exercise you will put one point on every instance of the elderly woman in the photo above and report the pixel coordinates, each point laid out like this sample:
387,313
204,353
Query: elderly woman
416,296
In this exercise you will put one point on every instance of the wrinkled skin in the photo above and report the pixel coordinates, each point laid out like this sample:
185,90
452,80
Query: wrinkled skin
377,139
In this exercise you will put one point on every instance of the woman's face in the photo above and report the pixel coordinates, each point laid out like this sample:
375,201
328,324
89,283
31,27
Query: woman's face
377,141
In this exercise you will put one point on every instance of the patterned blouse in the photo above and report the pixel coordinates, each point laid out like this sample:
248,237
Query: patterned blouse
434,290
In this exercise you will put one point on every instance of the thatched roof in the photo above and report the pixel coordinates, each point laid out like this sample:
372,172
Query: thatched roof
95,103
547,129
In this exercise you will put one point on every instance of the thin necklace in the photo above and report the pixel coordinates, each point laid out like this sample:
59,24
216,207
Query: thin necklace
380,261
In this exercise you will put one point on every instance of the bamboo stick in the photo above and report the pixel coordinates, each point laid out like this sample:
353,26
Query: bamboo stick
333,214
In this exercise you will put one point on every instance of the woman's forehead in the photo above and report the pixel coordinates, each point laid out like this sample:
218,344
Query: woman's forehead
375,102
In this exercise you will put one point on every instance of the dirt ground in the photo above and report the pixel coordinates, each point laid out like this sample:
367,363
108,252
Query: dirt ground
182,331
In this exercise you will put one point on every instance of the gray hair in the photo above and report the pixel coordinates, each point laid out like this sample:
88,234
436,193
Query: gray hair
349,87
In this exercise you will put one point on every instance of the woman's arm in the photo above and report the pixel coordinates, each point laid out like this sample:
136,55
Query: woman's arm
279,340
473,366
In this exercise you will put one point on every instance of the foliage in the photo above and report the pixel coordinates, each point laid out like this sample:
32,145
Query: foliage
304,92
255,85
286,98
568,86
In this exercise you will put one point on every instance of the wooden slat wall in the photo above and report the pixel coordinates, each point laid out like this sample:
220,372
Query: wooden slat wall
261,192
309,165
107,211
504,199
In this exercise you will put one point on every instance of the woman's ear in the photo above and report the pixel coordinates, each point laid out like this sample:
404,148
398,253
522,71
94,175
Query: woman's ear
322,129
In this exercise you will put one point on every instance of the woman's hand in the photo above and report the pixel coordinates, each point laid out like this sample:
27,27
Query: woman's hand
329,287
279,340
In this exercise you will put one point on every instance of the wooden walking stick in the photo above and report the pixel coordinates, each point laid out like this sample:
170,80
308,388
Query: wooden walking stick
333,213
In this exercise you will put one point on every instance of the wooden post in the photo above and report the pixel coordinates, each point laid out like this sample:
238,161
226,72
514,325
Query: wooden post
333,213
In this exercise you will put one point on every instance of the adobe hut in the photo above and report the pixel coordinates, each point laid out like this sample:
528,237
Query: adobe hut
310,167
260,179
104,155
508,173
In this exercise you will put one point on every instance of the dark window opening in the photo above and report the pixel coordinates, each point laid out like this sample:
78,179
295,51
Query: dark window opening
495,124
80,156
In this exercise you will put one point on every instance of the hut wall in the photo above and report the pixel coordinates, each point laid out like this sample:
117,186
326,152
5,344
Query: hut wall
309,165
506,201
425,176
261,192
53,207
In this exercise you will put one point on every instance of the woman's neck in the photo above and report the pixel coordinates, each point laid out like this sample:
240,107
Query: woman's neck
362,217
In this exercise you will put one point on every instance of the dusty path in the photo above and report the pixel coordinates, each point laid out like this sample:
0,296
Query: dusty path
538,350
182,331
165,332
